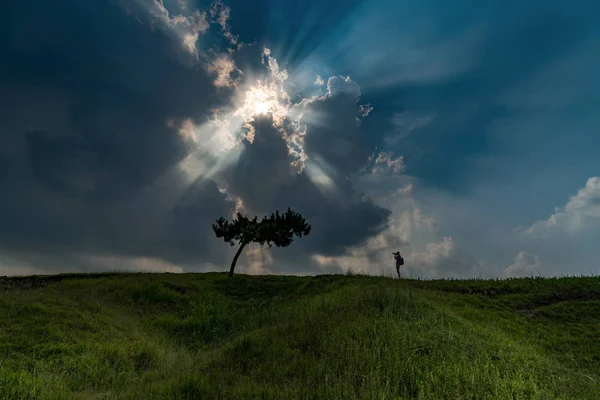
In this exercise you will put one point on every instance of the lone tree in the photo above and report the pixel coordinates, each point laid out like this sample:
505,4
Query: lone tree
276,229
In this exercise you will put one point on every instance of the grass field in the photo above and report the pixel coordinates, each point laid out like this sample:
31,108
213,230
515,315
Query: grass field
204,336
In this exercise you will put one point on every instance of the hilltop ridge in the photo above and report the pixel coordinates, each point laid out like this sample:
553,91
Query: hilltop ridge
161,336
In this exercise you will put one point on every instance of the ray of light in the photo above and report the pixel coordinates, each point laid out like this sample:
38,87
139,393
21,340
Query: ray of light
325,40
321,174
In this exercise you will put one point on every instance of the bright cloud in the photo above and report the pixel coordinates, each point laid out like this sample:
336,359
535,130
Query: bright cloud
582,211
261,99
525,265
266,95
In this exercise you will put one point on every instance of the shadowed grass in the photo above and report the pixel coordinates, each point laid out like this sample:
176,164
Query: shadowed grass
196,336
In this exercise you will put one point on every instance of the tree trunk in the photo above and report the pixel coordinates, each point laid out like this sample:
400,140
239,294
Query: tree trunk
235,258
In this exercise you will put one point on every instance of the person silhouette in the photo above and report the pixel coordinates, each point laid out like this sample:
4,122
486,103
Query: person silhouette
399,262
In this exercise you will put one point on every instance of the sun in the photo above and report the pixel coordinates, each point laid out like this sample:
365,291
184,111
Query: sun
259,101
261,107
263,101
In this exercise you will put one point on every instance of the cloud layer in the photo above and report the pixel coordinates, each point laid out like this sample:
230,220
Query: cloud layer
128,127
137,145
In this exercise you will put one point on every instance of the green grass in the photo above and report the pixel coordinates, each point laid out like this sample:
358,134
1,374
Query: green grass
204,336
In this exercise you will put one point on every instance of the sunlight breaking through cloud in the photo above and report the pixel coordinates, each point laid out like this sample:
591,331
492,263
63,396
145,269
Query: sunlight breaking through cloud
216,144
257,95
261,99
127,131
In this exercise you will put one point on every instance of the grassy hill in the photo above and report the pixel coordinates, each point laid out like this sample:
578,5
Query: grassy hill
204,336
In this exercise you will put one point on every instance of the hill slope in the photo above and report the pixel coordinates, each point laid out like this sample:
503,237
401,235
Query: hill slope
204,336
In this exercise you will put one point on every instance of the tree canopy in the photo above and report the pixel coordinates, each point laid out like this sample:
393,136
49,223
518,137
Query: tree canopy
276,229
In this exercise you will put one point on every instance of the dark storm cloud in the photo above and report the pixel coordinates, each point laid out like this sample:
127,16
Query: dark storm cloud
92,174
86,94
263,169
333,131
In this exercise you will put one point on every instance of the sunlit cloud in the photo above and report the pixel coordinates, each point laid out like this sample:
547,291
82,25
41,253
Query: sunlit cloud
227,74
365,109
186,26
309,112
219,12
581,212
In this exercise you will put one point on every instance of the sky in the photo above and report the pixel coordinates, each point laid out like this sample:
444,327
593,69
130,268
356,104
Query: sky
463,134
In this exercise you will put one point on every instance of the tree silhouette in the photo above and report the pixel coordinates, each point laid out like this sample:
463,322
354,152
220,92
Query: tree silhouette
276,229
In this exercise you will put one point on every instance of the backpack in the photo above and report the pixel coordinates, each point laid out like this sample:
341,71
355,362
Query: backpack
399,259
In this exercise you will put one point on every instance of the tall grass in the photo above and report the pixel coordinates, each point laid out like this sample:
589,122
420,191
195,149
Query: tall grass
204,336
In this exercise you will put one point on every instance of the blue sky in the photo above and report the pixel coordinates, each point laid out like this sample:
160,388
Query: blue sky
465,135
